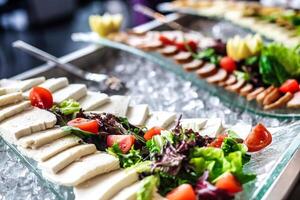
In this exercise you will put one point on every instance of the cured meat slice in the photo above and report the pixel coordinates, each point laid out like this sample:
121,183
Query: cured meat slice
236,87
252,95
194,65
295,101
246,89
219,76
207,70
280,102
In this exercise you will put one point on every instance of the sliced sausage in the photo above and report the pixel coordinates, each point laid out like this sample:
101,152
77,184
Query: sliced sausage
194,65
246,89
295,101
152,45
236,87
207,70
231,80
261,96
219,76
168,50
183,57
254,93
272,96
280,102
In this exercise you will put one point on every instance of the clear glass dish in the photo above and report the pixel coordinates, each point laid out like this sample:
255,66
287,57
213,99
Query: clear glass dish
149,83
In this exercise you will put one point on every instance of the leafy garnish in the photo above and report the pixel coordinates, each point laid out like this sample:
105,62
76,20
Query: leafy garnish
148,188
208,54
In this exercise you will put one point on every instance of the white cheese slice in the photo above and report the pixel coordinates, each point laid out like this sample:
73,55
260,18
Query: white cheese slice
241,129
93,100
29,83
84,169
213,127
138,114
28,122
118,105
51,149
196,124
2,91
63,159
14,109
10,98
129,193
52,84
104,187
161,119
39,139
72,91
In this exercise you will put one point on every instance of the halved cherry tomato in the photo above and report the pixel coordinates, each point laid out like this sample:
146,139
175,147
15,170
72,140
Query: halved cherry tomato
165,40
125,141
258,139
229,183
151,132
186,46
228,64
218,141
41,98
89,125
290,85
182,192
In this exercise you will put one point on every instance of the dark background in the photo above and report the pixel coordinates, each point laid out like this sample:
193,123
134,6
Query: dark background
49,25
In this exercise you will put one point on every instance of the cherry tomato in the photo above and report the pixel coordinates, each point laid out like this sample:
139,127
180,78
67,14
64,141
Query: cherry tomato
290,85
125,141
151,132
218,141
165,40
89,125
186,46
228,64
41,98
229,183
182,192
258,139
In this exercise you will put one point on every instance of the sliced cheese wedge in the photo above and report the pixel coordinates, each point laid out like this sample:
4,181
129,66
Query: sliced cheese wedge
161,119
129,193
138,114
63,159
51,149
29,83
196,124
14,109
118,105
52,84
39,139
104,187
10,98
72,91
84,169
213,127
28,122
93,100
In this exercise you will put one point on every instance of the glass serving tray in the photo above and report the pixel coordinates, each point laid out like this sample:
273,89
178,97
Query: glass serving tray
232,100
148,83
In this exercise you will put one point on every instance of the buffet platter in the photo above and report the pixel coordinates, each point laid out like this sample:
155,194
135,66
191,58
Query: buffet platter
269,164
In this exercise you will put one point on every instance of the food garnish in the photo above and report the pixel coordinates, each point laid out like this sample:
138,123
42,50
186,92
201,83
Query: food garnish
41,97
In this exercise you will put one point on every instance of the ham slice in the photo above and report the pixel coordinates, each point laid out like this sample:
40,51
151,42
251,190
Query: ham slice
194,65
207,70
295,101
246,89
218,77
252,95
168,50
280,102
183,57
236,87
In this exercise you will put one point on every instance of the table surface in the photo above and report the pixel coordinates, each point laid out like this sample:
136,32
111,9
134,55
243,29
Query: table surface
55,39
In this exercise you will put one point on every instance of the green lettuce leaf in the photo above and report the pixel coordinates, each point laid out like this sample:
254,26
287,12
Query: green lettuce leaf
148,188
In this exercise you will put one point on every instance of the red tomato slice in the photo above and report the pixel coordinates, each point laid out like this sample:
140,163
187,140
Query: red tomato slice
258,139
182,192
165,40
228,64
89,125
229,183
41,98
125,141
151,132
218,141
290,85
187,46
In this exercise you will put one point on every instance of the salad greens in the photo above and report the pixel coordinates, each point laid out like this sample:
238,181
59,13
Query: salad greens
208,54
65,111
148,188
